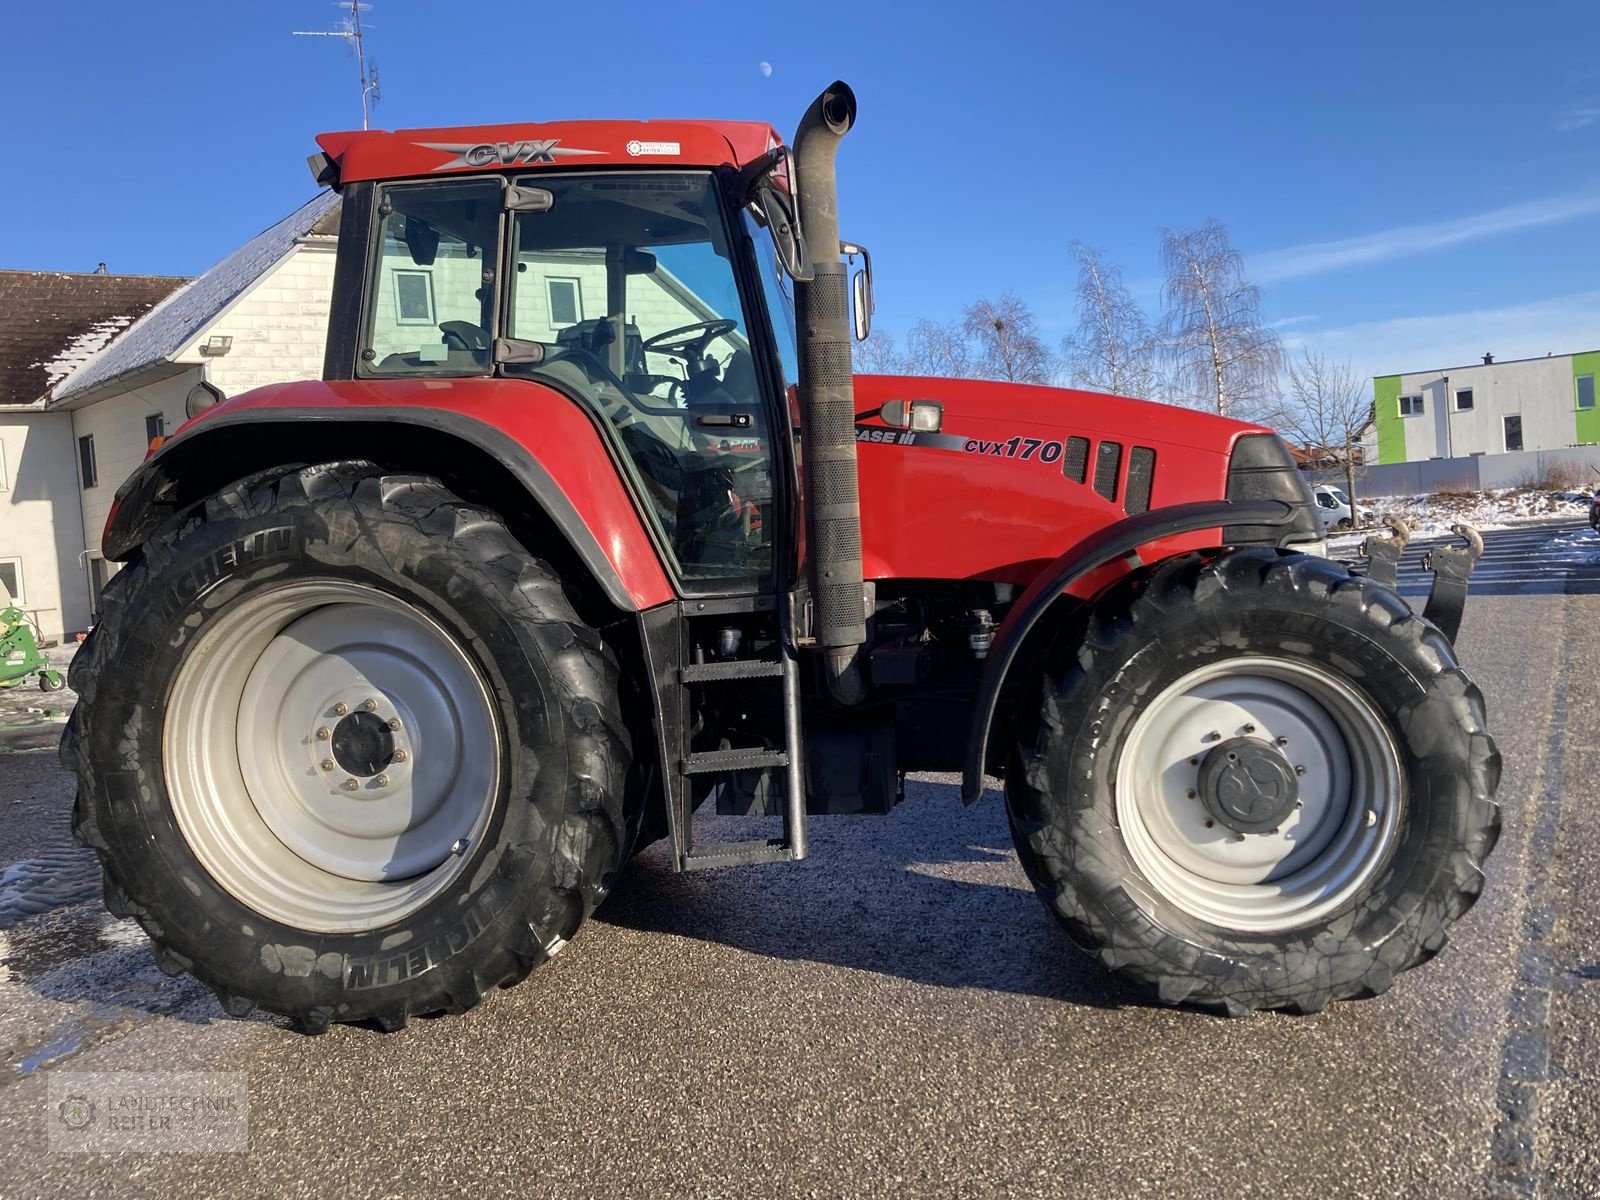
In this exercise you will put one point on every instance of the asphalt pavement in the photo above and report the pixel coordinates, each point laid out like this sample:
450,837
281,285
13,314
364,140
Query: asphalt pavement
896,1016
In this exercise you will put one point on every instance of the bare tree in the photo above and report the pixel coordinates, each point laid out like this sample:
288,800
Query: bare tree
1006,335
1114,349
878,355
935,349
1327,411
1224,355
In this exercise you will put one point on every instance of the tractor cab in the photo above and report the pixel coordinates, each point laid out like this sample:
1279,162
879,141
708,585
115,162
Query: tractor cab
647,297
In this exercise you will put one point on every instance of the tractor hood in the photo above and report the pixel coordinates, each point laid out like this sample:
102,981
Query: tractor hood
1016,474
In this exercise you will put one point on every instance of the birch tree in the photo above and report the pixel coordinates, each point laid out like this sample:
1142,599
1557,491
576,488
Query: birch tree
878,355
1223,355
1006,335
1114,349
935,349
1327,411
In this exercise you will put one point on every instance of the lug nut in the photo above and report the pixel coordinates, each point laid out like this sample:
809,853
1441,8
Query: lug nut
324,734
1299,770
1213,736
370,705
340,709
1283,741
394,723
401,756
328,764
349,785
381,781
1249,728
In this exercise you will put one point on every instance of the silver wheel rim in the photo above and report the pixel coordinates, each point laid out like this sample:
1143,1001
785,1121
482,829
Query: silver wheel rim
1351,794
332,756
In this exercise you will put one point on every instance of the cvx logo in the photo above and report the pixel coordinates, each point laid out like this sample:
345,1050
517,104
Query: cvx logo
502,154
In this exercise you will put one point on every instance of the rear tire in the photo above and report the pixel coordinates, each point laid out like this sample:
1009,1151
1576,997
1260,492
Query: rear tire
487,813
1340,876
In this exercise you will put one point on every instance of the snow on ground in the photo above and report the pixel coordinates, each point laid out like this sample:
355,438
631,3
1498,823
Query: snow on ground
1499,508
1432,516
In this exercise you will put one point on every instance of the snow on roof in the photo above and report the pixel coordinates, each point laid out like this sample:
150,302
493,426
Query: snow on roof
53,321
166,329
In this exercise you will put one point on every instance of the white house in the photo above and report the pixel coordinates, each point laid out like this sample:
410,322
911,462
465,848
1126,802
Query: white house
51,322
259,316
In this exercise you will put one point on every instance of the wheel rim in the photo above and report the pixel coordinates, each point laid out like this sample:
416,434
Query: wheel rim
1323,830
332,756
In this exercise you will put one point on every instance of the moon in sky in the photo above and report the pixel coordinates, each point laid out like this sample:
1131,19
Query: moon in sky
766,70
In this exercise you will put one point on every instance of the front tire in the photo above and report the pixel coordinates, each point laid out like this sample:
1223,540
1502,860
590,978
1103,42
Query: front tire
1257,782
346,749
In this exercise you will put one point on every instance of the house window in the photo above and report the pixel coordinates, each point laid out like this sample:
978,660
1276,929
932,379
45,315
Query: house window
86,460
566,302
1410,406
1463,399
1585,391
155,425
1514,432
413,297
11,579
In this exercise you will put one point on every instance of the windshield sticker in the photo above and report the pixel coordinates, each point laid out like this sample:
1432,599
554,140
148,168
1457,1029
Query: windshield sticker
636,148
505,154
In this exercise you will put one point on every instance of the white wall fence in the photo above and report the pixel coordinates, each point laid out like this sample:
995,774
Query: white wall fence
1576,466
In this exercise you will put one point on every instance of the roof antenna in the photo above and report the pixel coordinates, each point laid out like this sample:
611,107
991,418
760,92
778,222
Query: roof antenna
350,30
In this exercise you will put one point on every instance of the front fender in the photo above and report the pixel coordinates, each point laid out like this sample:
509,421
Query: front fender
1116,541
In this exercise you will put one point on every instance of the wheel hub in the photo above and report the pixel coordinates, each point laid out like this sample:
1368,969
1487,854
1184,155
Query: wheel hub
1247,785
363,745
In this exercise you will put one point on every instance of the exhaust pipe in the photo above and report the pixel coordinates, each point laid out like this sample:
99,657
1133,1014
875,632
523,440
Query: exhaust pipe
827,401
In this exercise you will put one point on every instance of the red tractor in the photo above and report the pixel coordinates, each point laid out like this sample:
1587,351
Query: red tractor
589,522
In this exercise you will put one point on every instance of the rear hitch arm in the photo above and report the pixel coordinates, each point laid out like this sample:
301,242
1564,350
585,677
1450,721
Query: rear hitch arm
1452,568
1383,554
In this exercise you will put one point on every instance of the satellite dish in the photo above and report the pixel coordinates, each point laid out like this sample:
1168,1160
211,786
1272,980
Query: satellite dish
202,396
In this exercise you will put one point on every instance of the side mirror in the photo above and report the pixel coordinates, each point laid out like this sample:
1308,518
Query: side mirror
860,289
777,211
767,185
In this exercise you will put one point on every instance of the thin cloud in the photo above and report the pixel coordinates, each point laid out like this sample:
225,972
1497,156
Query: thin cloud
1437,341
1577,116
1315,258
1285,322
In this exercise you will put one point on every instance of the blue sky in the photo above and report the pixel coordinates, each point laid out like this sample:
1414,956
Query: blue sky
1412,184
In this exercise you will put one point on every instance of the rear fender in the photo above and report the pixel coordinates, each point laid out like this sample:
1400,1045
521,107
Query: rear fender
565,472
1091,565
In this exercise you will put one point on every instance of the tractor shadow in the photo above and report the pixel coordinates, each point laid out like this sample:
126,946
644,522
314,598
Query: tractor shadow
931,893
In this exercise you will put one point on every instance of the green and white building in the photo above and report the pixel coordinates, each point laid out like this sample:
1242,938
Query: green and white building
1487,408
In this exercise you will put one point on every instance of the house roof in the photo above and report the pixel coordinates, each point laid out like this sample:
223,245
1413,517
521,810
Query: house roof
164,331
52,321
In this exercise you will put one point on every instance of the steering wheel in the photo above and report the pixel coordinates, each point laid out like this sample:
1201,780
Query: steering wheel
678,341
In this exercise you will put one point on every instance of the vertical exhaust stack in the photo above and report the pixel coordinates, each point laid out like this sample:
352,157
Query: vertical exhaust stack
827,401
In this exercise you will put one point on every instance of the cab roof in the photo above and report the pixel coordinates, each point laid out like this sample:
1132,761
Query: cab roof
403,153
